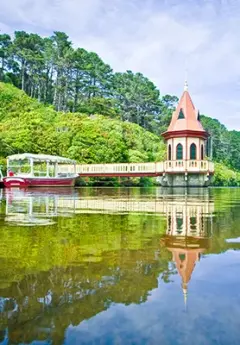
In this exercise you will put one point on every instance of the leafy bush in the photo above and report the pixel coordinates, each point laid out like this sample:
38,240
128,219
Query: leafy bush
28,126
225,177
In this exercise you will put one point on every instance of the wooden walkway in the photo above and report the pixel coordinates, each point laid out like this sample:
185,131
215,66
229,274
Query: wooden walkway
139,169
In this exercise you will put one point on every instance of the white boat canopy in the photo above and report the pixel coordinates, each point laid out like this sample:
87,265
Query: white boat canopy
40,158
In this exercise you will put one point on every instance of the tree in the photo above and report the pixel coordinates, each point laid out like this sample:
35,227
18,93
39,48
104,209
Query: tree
137,98
62,53
219,138
234,149
99,77
5,44
50,70
169,101
27,50
99,105
79,78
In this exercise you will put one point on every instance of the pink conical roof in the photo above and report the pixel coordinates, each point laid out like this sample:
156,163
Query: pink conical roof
186,265
185,117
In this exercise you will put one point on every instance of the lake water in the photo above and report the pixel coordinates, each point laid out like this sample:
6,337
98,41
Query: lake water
120,266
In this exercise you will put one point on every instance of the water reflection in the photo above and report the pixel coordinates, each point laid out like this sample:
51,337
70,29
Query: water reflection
189,228
37,207
79,253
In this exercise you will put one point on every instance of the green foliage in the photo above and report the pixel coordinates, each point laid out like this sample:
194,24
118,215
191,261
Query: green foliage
99,105
5,45
225,177
27,126
76,80
225,144
137,98
234,143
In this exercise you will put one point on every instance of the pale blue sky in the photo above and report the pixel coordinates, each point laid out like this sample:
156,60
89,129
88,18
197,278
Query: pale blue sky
155,37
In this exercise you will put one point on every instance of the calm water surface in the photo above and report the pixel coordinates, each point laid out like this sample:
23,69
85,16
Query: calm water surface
120,266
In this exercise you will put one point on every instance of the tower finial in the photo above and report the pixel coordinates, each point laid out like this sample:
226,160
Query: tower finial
186,77
185,292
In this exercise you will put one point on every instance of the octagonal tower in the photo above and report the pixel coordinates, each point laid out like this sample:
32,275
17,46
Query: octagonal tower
187,163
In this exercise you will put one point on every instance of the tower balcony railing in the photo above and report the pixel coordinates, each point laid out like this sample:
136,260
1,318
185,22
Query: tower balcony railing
189,166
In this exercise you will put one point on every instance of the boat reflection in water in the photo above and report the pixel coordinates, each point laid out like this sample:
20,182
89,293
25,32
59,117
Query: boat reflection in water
37,207
90,258
188,216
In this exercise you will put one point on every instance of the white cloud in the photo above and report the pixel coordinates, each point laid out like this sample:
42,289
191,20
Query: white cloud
155,38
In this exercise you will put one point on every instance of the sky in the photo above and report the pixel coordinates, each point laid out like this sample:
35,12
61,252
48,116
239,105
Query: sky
163,39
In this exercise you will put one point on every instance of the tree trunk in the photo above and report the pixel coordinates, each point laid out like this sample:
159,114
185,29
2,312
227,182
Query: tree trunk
2,69
56,95
31,92
75,103
39,92
23,75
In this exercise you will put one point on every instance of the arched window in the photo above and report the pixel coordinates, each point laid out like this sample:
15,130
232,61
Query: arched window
179,152
169,152
179,222
202,153
193,223
182,257
193,151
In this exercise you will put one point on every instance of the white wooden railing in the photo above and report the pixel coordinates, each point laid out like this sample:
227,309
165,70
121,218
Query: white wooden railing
188,166
191,207
138,169
114,169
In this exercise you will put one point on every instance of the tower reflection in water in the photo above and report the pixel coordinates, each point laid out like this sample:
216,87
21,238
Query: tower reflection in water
189,229
189,215
44,303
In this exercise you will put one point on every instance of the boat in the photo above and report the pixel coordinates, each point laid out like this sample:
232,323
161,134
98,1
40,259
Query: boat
38,170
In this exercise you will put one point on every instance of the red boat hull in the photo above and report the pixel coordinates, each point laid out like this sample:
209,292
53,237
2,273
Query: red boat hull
25,182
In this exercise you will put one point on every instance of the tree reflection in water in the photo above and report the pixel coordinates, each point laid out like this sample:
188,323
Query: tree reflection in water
86,258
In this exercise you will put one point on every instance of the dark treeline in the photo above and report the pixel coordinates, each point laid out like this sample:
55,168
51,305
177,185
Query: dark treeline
225,144
75,80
